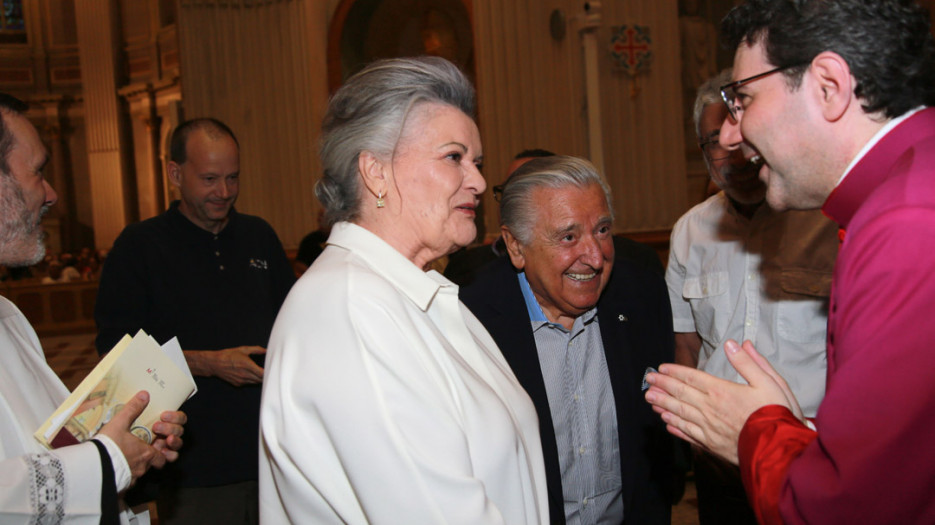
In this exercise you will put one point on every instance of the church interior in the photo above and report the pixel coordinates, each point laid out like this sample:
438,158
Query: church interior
108,80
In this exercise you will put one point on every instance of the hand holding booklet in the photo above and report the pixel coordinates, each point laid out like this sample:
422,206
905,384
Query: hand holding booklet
134,364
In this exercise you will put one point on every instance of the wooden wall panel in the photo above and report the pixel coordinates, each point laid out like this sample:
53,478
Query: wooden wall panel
530,88
531,91
259,66
644,146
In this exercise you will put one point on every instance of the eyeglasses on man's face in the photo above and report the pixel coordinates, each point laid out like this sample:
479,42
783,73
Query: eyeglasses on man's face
712,149
731,97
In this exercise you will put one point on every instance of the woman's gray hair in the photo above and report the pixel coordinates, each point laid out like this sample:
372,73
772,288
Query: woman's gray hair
368,113
518,211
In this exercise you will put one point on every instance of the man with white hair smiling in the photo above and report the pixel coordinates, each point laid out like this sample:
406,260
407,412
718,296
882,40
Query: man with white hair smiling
579,329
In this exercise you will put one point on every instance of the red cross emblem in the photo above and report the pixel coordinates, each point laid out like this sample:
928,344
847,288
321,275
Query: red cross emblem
630,47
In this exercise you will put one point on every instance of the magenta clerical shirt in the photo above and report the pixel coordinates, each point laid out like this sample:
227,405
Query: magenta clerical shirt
873,457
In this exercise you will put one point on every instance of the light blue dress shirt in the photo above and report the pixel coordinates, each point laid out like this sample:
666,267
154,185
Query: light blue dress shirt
584,416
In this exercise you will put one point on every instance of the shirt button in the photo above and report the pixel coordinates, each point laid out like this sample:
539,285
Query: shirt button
217,253
222,266
584,501
581,450
749,323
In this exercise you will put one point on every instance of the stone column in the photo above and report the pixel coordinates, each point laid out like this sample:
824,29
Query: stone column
147,125
112,185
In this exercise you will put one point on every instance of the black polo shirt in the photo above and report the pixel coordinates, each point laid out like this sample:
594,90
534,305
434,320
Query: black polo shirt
171,278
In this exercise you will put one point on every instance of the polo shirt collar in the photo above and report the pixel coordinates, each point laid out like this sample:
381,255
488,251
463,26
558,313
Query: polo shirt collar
191,231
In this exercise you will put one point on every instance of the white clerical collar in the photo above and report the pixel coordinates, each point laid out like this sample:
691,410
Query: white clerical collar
877,137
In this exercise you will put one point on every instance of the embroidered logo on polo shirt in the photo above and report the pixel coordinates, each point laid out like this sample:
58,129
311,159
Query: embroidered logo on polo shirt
259,264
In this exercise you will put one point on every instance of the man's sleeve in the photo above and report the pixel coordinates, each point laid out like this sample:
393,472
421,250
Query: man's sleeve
667,449
682,319
122,292
65,484
770,440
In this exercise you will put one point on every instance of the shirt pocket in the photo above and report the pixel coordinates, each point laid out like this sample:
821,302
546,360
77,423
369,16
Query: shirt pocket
710,303
803,307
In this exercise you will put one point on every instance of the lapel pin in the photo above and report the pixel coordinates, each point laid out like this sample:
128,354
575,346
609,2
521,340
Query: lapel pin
649,370
622,318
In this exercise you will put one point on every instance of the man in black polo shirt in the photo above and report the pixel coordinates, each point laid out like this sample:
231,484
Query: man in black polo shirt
216,279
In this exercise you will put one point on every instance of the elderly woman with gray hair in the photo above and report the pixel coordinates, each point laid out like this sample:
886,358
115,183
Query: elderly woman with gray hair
385,400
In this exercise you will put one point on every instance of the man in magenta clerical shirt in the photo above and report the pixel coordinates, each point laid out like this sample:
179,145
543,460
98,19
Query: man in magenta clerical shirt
835,96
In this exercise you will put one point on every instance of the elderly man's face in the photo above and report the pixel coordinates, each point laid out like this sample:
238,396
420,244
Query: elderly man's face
730,170
25,195
569,258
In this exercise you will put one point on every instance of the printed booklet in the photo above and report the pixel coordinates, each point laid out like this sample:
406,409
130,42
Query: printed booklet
134,364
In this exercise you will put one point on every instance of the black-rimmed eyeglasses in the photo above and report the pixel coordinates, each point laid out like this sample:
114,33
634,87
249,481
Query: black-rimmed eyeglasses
729,91
712,149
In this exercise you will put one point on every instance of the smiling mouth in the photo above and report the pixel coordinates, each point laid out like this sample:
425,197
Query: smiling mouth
581,276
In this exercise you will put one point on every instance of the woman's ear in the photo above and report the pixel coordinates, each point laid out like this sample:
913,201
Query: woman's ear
373,173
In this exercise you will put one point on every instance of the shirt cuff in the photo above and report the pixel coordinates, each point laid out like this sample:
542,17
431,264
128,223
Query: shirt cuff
770,440
121,467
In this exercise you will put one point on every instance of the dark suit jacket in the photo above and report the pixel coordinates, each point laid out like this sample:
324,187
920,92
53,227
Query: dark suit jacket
636,329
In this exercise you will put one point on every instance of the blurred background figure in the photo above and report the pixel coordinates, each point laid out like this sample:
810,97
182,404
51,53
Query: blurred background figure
312,245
